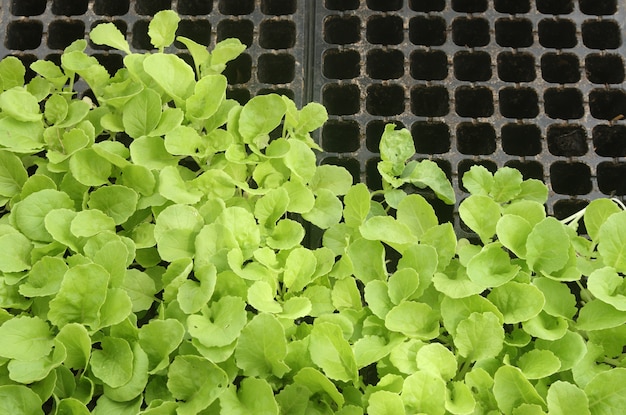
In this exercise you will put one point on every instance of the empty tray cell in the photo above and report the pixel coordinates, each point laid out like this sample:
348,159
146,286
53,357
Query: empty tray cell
384,5
469,6
352,165
564,208
278,91
567,140
529,169
570,178
239,70
604,68
385,30
512,6
473,102
514,32
385,64
516,67
28,7
339,136
472,66
601,34
140,39
241,95
341,5
518,103
464,166
372,176
609,140
427,30
521,139
241,29
341,64
429,65
427,5
341,99
120,24
69,7
560,68
612,178
111,61
430,101
113,8
61,33
470,32
431,137
24,34
151,7
374,131
276,68
598,7
236,7
563,103
277,34
195,7
607,104
196,30
278,7
557,33
342,30
555,6
385,100
475,138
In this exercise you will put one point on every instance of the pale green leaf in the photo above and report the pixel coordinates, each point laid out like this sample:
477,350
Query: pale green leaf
262,347
480,336
511,389
607,392
108,34
25,338
565,398
332,353
113,362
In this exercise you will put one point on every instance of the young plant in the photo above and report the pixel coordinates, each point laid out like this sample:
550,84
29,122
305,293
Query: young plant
155,260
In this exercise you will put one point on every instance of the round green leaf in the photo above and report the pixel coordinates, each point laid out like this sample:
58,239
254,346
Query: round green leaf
25,338
29,214
606,285
607,392
511,389
537,364
416,320
480,214
565,398
546,326
15,251
612,241
12,174
480,336
118,202
547,246
437,359
491,267
89,168
87,223
19,400
518,302
142,113
113,362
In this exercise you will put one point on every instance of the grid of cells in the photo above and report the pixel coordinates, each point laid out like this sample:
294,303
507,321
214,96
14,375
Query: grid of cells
536,85
271,29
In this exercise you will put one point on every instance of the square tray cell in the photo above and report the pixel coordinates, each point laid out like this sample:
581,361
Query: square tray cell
564,208
374,131
426,6
470,32
341,5
560,68
341,99
277,34
61,33
469,6
607,104
241,95
516,67
239,70
598,7
472,66
196,30
604,68
277,68
278,7
430,101
612,178
431,137
609,140
384,64
69,7
341,136
563,103
601,34
514,32
475,138
557,33
24,34
521,139
341,63
140,39
235,7
570,178
151,7
512,6
427,30
111,61
567,140
473,102
342,30
114,8
518,102
195,7
372,176
429,65
385,30
529,169
242,29
28,7
555,6
384,100
384,5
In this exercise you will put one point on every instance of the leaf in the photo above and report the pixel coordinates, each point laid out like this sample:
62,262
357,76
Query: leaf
15,252
260,116
538,364
137,382
332,353
326,211
20,105
427,173
606,285
570,349
511,389
480,336
29,213
77,344
424,392
158,339
108,34
12,173
317,383
356,205
506,184
19,399
606,392
560,302
262,347
565,398
596,213
396,146
612,241
545,247
598,315
172,186
546,326
172,74
90,222
12,72
459,399
261,296
195,381
478,180
518,302
403,284
334,178
286,235
254,396
113,362
209,93
388,230
416,320
368,258
491,267
513,231
222,325
162,28
150,152
271,206
89,168
385,403
481,214
118,202
435,358
416,213
25,338
142,113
